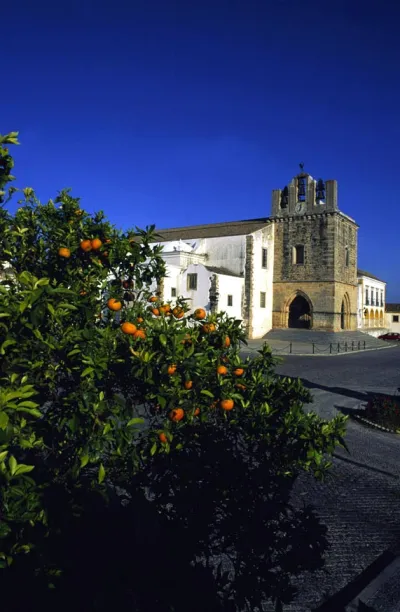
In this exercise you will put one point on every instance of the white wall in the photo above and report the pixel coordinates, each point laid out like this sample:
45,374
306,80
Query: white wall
226,252
261,321
390,324
230,285
199,298
173,279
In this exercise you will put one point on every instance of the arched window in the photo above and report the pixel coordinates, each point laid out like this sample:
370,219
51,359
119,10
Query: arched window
298,254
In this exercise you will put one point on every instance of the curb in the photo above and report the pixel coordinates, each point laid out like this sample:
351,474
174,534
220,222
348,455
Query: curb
371,590
355,595
357,417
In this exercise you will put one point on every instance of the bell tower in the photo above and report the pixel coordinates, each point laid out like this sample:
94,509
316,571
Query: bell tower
315,265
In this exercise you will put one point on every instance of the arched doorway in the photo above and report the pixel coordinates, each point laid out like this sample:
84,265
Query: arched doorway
300,313
345,312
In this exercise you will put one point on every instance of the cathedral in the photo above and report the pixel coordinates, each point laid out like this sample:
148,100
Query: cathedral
296,268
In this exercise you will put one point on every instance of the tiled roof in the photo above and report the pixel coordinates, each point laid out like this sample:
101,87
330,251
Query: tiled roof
212,230
364,273
392,307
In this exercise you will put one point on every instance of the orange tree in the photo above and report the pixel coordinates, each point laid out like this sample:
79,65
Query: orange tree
104,385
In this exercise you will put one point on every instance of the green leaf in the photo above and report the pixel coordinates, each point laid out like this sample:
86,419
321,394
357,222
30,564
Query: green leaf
87,371
102,473
163,339
23,469
5,344
28,404
3,421
153,449
4,314
51,310
12,464
84,460
42,282
32,411
135,421
205,392
3,455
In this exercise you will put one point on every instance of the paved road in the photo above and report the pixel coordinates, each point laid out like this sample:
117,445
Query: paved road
360,503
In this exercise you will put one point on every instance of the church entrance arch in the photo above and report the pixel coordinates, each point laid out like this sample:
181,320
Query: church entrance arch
300,312
345,312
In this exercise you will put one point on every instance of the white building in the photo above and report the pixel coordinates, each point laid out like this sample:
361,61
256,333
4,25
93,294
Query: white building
296,268
371,303
392,318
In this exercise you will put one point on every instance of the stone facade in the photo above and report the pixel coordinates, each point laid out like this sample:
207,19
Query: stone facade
324,281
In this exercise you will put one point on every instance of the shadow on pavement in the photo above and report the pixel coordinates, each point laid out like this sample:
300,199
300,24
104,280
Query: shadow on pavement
208,529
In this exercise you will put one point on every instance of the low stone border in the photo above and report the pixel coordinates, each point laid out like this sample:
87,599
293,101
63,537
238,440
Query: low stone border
357,417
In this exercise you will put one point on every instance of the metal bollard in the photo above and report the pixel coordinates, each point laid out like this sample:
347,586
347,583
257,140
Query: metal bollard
313,348
364,345
330,348
290,348
345,347
352,345
359,345
338,347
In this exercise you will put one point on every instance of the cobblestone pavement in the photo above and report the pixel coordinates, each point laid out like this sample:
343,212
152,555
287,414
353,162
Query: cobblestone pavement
360,503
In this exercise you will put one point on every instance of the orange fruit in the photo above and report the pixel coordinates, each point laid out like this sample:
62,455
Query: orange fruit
139,319
153,299
163,438
188,384
83,292
96,244
176,414
227,404
199,314
207,328
64,252
155,312
114,304
238,371
128,328
178,312
165,308
222,370
227,342
196,412
108,241
140,333
241,387
86,245
171,369
79,212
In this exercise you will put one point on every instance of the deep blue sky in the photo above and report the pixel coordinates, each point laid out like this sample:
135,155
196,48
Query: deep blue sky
192,111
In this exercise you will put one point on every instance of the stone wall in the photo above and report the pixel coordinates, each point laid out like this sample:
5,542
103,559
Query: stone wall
324,279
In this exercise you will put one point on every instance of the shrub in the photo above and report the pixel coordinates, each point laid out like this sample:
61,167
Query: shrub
91,406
